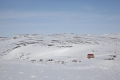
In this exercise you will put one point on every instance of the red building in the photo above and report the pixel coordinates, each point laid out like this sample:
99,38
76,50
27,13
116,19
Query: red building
90,56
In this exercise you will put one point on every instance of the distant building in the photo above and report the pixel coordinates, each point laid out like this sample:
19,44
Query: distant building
33,61
90,56
62,62
41,60
74,60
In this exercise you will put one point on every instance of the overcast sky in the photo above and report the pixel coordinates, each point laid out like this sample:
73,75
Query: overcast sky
94,17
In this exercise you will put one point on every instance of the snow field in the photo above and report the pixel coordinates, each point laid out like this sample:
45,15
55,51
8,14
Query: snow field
24,70
17,52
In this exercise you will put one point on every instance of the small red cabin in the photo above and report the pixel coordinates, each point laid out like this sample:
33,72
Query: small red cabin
90,56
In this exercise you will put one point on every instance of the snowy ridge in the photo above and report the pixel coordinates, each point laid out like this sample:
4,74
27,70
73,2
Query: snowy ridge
29,46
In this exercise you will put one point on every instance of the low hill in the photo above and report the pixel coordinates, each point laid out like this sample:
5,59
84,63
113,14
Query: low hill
58,46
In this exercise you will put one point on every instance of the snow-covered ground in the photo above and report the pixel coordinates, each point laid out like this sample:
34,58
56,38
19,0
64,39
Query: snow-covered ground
92,69
26,57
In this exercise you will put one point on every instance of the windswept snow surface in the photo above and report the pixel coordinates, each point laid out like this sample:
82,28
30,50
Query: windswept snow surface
26,57
86,70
